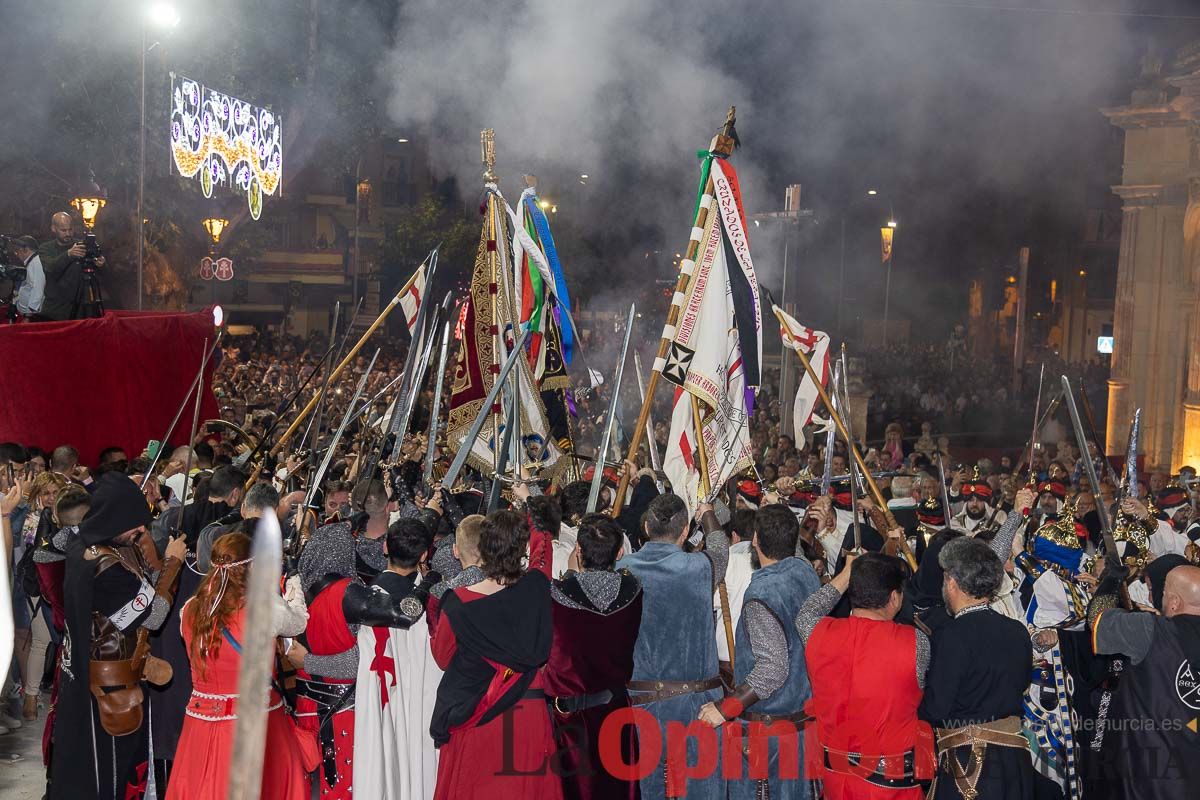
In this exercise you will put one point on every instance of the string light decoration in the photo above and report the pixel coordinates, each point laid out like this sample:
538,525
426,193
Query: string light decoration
225,142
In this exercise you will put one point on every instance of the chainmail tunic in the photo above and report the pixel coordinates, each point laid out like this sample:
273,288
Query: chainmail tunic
601,588
468,577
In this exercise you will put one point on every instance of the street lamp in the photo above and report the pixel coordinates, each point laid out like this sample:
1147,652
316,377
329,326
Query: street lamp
163,16
88,204
215,227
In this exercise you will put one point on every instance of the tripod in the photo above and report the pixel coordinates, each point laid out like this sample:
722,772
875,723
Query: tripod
89,301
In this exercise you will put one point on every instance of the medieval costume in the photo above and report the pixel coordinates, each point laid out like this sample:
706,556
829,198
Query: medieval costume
978,674
675,669
113,599
1161,681
867,679
338,602
978,523
201,767
597,615
397,680
771,682
490,719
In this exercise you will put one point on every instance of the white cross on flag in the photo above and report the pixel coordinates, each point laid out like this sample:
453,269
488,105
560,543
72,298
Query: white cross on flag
815,345
410,301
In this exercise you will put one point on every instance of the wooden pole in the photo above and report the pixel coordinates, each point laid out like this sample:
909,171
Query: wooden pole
706,491
862,466
383,315
722,146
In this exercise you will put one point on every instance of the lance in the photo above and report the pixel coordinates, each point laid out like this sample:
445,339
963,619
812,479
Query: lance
854,510
341,429
179,412
862,467
829,438
383,315
722,147
464,449
436,409
187,467
254,671
598,472
651,442
1077,423
1100,444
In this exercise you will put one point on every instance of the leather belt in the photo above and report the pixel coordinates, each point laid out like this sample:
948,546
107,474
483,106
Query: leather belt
879,777
580,702
331,698
799,718
654,691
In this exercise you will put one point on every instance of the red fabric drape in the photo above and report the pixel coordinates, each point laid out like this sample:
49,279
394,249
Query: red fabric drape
95,383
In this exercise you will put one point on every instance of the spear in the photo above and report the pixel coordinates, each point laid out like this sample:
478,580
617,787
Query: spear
721,146
257,656
598,472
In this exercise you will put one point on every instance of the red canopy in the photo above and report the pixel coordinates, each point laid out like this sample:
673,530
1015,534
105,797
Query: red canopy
95,383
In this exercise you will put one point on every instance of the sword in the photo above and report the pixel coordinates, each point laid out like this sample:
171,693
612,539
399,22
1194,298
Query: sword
1110,546
845,402
510,425
436,410
945,490
179,413
1129,484
254,672
1037,407
1100,444
598,473
827,475
651,443
319,475
464,448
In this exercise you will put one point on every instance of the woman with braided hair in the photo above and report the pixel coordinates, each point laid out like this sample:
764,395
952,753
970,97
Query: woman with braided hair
211,624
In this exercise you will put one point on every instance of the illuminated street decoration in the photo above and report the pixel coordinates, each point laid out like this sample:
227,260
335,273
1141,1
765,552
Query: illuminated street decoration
224,141
220,268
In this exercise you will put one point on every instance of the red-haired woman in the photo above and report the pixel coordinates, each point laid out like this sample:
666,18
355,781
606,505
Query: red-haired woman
211,623
490,719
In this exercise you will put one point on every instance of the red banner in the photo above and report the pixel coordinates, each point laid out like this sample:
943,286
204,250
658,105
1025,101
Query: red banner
95,383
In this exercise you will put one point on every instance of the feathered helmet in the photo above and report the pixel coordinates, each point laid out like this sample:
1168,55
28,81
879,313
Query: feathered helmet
977,487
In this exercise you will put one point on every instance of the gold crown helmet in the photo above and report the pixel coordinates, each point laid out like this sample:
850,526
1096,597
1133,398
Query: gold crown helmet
1061,531
1129,529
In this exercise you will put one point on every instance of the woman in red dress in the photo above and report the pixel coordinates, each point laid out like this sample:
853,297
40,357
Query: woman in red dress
211,623
490,720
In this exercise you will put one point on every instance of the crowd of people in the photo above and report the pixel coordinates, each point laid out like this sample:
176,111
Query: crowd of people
978,637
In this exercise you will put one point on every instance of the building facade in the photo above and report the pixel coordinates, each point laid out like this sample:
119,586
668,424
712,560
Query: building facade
1156,321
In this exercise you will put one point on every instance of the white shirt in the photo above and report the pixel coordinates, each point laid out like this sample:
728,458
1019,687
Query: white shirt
1167,540
33,289
564,545
737,580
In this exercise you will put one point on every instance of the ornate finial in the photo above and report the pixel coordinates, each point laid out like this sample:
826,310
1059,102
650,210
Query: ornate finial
724,142
487,149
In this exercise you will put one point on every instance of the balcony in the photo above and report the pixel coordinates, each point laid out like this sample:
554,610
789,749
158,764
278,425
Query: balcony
302,265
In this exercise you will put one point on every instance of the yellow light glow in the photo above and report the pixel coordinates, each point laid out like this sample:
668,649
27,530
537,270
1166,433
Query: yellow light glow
215,227
1083,273
872,192
893,224
544,204
88,208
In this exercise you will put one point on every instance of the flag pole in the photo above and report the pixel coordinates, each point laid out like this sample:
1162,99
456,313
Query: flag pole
862,466
722,147
304,412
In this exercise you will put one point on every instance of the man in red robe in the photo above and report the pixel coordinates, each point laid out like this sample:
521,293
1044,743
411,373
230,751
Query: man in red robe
867,675
597,612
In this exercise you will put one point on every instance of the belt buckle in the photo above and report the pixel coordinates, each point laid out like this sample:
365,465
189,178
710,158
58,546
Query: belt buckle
556,707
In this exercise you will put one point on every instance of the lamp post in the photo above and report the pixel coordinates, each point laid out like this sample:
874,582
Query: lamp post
889,234
163,16
88,204
215,227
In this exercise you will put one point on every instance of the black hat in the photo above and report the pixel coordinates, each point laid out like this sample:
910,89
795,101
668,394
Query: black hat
118,505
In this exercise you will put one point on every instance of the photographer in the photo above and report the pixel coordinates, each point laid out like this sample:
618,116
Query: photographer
33,288
62,261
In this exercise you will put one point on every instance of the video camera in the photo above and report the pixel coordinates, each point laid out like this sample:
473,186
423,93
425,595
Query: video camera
92,253
11,268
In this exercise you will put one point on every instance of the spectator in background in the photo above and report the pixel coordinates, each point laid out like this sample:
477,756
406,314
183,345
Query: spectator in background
33,288
62,262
